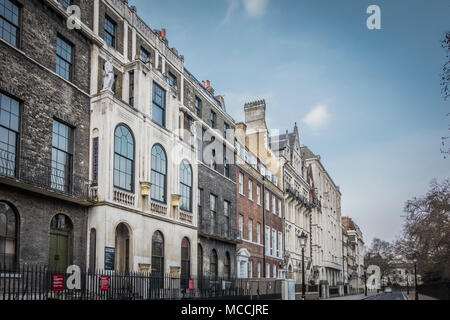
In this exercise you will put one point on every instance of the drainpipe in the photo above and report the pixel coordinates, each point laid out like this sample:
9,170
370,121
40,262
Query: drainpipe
264,223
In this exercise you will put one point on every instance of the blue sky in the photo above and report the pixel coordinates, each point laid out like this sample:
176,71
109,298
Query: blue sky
367,101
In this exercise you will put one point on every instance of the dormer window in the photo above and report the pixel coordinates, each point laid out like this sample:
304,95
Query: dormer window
172,79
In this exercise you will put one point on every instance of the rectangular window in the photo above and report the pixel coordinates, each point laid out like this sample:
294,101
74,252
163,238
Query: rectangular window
250,189
65,3
258,269
273,247
274,204
198,107
63,58
258,233
241,183
274,272
213,211
267,270
250,269
241,226
225,128
267,200
131,91
159,105
226,213
110,32
250,230
144,55
213,119
226,165
279,209
172,79
9,135
267,240
61,157
9,22
258,195
199,205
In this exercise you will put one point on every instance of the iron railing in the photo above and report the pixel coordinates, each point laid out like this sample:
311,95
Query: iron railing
32,282
43,173
218,229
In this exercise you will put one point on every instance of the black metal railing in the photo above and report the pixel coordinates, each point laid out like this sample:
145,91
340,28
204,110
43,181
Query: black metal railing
32,282
218,229
31,168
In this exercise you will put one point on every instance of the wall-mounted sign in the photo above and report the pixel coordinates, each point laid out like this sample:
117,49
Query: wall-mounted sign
191,284
57,282
110,255
104,283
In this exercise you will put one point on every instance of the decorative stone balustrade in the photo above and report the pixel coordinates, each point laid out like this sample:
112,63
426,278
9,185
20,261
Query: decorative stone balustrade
158,208
123,197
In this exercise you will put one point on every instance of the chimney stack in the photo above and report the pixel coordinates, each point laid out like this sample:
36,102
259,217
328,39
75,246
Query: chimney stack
163,33
203,84
208,84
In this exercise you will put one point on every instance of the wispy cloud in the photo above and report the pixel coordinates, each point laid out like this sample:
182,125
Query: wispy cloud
253,8
256,8
318,118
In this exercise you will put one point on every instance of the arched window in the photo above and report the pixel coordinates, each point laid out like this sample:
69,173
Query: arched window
8,237
123,158
213,270
158,253
60,255
185,262
186,186
159,174
227,266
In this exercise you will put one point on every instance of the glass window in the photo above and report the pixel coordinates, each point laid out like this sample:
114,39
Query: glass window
227,266
213,265
258,269
267,200
241,183
213,211
61,157
226,213
63,58
159,105
225,128
185,262
241,226
65,3
250,189
158,253
110,32
274,211
279,208
131,88
9,135
213,119
250,269
258,233
250,230
8,237
258,195
159,174
144,55
186,186
198,107
123,158
9,22
172,79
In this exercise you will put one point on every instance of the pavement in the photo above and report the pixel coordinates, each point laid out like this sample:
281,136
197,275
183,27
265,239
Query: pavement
394,296
412,296
354,297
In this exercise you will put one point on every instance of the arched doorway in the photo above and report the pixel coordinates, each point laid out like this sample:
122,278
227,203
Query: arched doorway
9,226
185,262
60,253
122,262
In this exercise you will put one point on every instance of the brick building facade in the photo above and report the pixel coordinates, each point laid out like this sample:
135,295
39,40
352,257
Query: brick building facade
44,143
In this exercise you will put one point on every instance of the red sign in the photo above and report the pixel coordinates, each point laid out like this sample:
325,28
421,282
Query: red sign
57,282
104,283
191,284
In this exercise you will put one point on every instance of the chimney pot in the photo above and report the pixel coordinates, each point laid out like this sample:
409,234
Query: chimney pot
203,84
208,84
163,33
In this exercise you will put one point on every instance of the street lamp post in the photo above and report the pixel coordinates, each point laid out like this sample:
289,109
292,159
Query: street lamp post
407,282
365,281
303,237
415,277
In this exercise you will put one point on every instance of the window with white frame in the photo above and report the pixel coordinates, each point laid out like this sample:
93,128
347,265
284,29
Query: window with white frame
274,211
274,273
267,270
258,195
280,245
279,209
241,183
250,189
258,269
273,248
250,269
250,230
267,201
241,226
258,233
267,240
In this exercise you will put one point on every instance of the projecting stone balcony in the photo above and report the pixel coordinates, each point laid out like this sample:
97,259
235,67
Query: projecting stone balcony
186,217
123,197
158,208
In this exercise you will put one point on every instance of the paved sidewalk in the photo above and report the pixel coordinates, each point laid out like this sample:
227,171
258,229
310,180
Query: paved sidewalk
354,297
412,296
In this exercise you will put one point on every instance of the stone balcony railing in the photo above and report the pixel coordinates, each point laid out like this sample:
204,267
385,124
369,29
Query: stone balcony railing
123,197
186,217
158,208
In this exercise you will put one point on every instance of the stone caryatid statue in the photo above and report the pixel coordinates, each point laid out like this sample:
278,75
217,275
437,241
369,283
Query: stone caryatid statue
108,75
